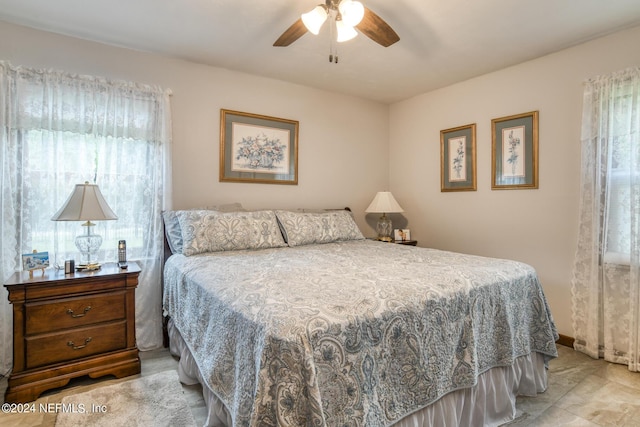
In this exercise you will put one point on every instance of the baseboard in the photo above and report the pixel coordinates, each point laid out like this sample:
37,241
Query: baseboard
565,340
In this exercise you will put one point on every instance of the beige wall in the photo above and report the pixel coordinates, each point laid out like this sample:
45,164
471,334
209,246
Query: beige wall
343,141
535,226
351,148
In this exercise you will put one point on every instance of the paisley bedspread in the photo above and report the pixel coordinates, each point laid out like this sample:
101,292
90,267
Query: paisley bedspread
353,333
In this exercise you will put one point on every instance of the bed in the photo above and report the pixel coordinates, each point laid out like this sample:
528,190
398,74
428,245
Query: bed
295,319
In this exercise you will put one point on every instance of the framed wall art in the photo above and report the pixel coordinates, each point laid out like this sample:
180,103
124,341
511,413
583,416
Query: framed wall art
458,158
259,149
514,151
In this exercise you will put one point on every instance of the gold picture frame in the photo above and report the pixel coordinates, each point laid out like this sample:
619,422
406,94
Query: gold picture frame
458,158
258,149
514,152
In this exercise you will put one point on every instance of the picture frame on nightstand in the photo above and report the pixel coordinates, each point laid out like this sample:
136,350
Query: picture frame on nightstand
35,261
401,234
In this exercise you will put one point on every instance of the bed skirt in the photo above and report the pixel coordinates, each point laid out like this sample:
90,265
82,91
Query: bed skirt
491,402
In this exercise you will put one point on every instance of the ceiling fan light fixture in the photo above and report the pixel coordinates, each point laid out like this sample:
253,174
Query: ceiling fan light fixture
351,11
314,19
345,32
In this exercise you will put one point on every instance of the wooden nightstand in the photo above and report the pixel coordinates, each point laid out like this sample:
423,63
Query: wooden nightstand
406,242
66,326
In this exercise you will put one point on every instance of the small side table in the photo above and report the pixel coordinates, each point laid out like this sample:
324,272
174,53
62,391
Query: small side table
406,242
67,326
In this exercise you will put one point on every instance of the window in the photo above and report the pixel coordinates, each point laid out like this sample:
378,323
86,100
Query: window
606,273
622,176
58,130
55,161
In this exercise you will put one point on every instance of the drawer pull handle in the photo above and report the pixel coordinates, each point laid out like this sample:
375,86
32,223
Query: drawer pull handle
70,312
78,347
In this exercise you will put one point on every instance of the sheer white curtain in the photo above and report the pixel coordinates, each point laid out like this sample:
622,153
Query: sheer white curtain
606,283
58,130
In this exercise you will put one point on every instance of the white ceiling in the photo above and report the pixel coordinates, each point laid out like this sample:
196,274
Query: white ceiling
441,41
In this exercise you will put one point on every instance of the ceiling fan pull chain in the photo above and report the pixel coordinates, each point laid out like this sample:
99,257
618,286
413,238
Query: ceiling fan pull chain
333,48
333,54
331,36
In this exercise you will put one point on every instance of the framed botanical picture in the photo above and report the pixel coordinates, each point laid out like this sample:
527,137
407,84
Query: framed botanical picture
458,158
514,151
260,149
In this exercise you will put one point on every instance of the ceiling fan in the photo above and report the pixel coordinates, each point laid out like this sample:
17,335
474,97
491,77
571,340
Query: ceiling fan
344,17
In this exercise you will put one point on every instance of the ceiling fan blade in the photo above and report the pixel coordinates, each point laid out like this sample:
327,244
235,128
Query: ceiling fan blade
291,34
376,29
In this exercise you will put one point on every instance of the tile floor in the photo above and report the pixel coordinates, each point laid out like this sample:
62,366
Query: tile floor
582,392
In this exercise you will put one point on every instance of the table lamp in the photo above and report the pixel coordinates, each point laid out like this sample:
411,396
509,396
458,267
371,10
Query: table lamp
384,203
86,204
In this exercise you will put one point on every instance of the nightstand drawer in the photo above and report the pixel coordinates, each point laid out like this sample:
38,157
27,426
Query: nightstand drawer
73,312
63,346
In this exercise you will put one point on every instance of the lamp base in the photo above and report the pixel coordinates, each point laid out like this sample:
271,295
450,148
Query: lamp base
384,228
89,267
88,245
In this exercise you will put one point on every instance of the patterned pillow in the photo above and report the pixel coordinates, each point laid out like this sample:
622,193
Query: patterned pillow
212,231
319,227
172,228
